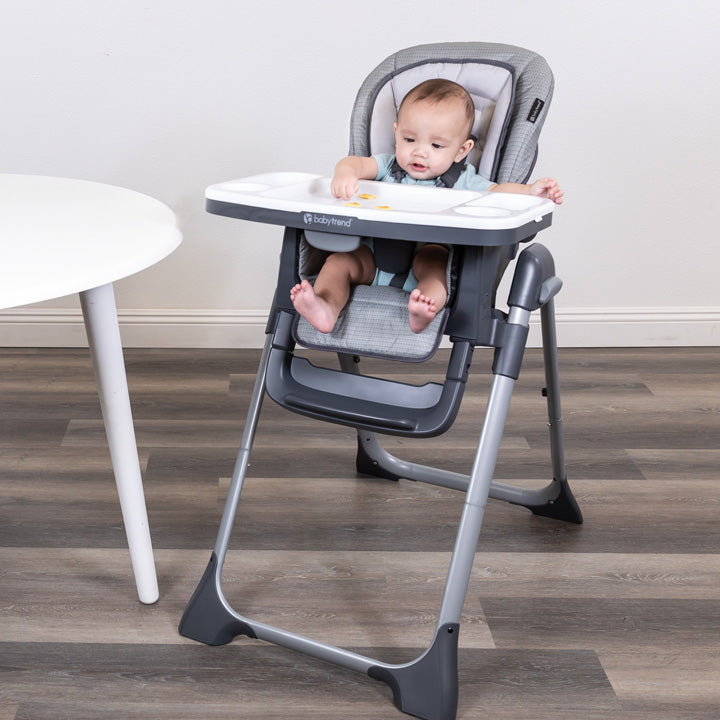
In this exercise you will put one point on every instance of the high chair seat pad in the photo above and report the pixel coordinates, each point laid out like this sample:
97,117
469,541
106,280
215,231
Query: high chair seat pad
375,324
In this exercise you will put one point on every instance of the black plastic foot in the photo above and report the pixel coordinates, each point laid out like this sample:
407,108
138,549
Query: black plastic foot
429,687
367,466
563,507
206,619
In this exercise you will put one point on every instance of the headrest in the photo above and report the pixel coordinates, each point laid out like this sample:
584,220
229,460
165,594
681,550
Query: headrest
511,86
490,86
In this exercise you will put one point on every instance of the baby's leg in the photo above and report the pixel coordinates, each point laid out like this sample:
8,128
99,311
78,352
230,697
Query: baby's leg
321,305
430,295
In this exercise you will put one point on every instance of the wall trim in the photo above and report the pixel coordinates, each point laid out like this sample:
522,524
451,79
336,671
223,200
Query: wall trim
576,327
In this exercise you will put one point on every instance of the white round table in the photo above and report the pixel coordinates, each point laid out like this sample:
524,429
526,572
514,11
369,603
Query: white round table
58,237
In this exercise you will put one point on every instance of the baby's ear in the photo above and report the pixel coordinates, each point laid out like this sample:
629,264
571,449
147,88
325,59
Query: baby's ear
465,148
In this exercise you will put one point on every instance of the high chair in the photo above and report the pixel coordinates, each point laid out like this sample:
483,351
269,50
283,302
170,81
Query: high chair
512,89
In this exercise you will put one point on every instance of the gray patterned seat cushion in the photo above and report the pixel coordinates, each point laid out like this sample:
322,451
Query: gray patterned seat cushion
375,323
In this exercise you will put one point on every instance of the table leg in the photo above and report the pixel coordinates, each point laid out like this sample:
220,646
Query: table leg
101,323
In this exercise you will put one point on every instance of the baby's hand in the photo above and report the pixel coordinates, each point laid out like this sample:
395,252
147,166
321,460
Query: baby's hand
344,185
547,188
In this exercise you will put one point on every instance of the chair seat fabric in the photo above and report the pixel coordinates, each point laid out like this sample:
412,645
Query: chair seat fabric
375,324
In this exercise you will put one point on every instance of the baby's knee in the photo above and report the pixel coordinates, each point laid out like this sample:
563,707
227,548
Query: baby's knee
358,265
430,258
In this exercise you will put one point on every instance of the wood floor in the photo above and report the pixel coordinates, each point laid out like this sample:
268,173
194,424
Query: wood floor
616,618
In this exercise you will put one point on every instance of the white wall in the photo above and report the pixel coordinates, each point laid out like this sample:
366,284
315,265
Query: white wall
168,96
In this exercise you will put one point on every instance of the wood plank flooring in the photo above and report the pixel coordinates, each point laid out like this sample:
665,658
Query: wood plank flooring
617,618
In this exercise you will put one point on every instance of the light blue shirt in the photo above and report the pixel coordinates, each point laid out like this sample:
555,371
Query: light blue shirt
468,180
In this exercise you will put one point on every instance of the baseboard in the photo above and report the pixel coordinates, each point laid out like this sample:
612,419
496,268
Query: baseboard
40,327
635,327
576,327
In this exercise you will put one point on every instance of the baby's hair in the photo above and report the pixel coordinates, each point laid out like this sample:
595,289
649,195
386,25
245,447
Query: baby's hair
438,90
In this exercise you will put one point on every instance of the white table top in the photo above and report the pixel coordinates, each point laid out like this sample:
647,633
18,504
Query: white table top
60,236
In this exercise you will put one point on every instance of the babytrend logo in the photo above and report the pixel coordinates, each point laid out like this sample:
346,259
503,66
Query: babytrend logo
326,221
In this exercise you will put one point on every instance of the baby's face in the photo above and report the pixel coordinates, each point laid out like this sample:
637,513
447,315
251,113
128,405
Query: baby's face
430,137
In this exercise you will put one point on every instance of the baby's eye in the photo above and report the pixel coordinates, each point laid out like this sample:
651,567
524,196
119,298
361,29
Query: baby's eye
410,140
437,146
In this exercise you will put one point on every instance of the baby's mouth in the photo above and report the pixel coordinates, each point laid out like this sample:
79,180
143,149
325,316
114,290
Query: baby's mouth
417,167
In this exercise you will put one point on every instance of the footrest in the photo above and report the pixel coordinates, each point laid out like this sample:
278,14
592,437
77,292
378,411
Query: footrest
362,401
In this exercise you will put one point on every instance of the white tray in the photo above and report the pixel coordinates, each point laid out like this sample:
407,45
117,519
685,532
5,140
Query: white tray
384,202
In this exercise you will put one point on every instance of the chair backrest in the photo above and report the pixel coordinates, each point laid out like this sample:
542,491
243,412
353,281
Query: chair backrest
511,87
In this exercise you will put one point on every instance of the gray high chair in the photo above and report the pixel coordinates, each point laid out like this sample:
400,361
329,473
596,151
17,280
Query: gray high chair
512,88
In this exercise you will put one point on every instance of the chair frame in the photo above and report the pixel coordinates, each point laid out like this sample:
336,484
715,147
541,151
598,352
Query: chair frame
426,687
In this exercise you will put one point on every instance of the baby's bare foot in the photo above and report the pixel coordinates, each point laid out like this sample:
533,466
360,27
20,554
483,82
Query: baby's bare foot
422,311
313,308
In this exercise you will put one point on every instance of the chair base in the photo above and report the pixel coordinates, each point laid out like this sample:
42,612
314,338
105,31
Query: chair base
556,500
563,507
426,687
206,619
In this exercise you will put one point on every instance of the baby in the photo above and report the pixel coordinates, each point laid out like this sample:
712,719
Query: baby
432,139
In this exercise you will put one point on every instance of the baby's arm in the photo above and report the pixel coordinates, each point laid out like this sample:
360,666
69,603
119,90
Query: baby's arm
348,172
545,187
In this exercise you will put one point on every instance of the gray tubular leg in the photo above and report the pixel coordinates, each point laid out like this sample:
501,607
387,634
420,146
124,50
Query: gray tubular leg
243,457
556,500
208,618
478,489
428,688
552,389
